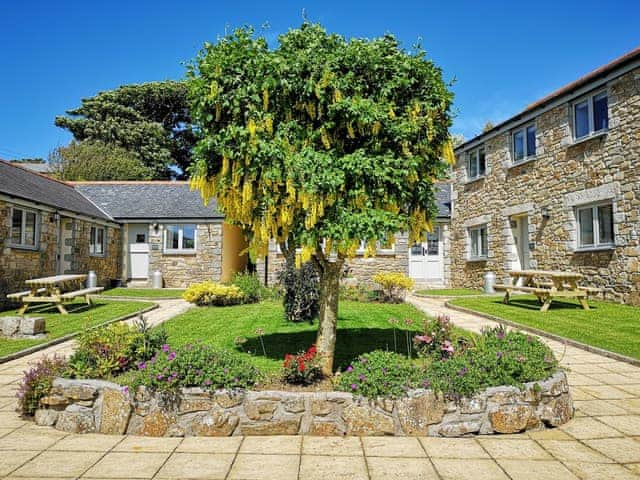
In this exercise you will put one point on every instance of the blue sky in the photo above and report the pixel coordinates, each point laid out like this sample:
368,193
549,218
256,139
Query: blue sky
503,54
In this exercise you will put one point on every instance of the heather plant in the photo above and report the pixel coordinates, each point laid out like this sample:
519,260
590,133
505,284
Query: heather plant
37,381
303,368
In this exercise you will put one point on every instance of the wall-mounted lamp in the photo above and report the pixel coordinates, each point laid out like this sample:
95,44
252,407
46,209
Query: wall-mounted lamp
54,217
154,226
546,214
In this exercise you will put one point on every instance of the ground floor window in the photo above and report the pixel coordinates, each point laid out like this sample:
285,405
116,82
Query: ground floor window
97,241
24,228
180,238
479,246
595,226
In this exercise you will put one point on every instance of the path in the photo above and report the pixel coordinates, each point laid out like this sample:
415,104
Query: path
602,442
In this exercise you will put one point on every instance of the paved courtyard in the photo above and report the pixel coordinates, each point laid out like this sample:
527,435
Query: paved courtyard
602,442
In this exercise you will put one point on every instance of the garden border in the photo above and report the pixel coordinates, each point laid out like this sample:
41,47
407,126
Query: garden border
542,333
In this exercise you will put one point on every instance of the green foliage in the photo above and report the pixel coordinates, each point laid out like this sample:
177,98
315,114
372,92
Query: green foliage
379,374
194,365
437,340
357,293
301,292
303,368
394,285
95,160
213,294
251,287
151,121
37,381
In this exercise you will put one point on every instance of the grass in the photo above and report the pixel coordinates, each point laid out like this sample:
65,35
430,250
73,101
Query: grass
362,327
611,326
450,292
58,325
144,292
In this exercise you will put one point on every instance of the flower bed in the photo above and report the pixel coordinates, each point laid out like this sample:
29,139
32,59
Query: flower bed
83,406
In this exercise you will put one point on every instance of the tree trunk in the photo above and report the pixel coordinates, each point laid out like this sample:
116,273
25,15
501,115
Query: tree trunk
329,292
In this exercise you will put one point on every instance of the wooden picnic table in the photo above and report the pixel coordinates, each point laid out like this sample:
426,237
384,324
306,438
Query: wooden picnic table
56,289
547,285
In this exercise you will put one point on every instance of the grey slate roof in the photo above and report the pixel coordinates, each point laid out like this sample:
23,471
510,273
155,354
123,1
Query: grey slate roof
28,185
443,199
148,200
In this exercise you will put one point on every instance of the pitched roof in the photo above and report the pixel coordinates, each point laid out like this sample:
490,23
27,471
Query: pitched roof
443,199
147,200
20,182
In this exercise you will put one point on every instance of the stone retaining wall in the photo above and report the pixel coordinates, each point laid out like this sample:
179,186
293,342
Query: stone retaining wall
83,406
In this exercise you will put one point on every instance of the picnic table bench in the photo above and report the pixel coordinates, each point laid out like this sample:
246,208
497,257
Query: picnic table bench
57,289
547,285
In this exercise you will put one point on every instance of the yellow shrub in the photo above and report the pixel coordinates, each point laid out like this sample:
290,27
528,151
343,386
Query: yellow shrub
394,285
212,293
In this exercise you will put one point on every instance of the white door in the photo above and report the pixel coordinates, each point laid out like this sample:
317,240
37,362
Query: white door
426,258
138,251
520,230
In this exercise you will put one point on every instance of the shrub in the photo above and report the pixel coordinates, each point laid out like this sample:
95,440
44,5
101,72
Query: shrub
211,293
303,368
250,286
394,285
194,366
301,293
37,381
437,340
357,293
379,374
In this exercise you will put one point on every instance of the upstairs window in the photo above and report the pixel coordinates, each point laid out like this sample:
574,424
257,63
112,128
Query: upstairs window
524,143
479,245
180,238
476,164
24,228
591,115
595,226
96,241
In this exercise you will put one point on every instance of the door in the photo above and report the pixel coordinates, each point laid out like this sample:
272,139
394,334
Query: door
426,258
138,251
520,231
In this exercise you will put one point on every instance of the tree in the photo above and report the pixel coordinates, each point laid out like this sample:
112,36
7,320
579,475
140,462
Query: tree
150,120
319,144
488,126
93,160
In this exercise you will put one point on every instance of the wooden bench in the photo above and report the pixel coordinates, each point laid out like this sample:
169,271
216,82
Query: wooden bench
85,292
20,295
590,290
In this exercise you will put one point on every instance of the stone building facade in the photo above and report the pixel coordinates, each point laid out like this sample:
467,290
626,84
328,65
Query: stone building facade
556,187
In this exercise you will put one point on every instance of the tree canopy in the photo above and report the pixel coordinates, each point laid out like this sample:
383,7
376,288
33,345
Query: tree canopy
149,120
319,144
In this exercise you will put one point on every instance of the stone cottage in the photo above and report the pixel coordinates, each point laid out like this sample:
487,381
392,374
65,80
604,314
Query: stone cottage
556,187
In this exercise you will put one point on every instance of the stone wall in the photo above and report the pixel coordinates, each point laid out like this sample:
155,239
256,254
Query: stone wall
83,406
181,270
564,174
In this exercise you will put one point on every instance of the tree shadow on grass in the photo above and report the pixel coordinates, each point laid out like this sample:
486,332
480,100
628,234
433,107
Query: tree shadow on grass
350,343
534,304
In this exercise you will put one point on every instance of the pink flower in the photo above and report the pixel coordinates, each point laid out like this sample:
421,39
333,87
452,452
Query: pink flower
165,348
423,338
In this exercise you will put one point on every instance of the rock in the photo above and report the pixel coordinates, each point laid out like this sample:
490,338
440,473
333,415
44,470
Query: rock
287,425
76,419
364,420
511,418
339,397
195,404
458,429
228,399
143,394
294,405
10,325
503,395
326,429
32,325
555,385
46,417
385,404
116,410
260,409
175,431
54,401
417,413
214,424
321,407
156,424
557,411
475,404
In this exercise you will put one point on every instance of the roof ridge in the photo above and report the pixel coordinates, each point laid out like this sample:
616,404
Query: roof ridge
130,182
34,172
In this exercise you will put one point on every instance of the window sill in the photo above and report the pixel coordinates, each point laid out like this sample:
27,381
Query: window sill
603,248
522,162
97,255
591,136
473,180
378,253
477,259
28,248
179,252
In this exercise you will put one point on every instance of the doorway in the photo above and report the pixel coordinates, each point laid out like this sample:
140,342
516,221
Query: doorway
138,251
520,232
426,258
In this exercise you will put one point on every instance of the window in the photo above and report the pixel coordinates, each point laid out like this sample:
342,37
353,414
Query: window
24,228
382,247
433,241
595,226
476,164
479,243
591,115
524,143
180,238
96,241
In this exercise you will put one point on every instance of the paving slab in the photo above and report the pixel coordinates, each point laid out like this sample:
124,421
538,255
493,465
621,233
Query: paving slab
386,468
265,467
538,469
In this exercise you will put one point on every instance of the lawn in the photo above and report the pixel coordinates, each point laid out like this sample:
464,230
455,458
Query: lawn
606,325
80,315
362,327
450,292
144,292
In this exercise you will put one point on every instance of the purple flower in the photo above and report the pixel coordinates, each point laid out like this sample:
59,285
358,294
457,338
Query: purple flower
207,382
174,374
447,347
142,366
199,371
171,356
499,354
159,376
354,386
426,383
500,334
349,368
361,377
165,347
125,390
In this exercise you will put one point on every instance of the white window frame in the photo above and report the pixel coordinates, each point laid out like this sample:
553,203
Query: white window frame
363,248
474,155
23,245
93,241
590,99
596,226
527,156
482,255
180,248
